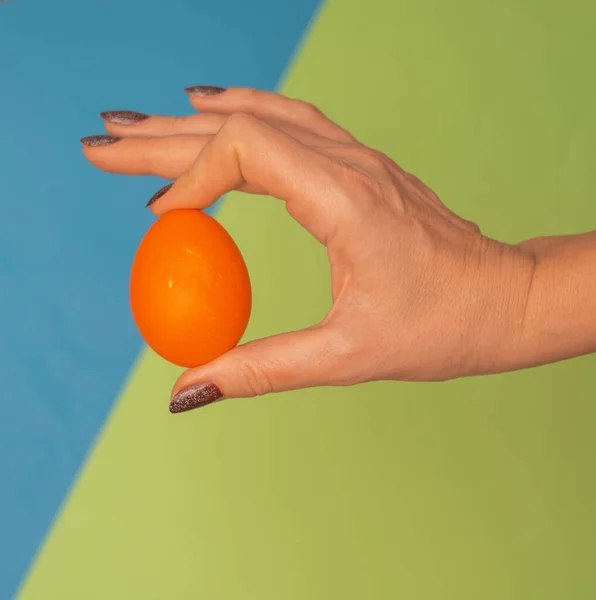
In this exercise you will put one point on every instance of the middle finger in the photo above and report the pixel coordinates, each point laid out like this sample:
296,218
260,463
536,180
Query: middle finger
129,124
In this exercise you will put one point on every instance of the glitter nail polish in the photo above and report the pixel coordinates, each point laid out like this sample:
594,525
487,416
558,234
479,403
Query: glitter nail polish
195,396
99,140
159,194
204,90
122,117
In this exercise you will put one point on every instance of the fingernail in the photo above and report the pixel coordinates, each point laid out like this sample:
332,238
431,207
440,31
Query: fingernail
159,194
99,140
123,117
204,90
195,396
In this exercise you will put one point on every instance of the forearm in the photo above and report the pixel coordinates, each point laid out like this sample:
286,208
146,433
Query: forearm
560,316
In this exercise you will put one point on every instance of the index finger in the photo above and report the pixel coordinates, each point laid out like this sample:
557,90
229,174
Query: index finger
248,151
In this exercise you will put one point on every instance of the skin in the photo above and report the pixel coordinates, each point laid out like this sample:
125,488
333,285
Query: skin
419,294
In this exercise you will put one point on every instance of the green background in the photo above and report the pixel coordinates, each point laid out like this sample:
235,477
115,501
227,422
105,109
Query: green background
476,489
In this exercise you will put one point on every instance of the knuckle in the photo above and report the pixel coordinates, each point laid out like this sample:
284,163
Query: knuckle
255,378
181,124
385,161
373,160
181,120
239,119
170,123
236,125
346,136
307,107
473,227
248,95
344,357
343,348
363,186
152,156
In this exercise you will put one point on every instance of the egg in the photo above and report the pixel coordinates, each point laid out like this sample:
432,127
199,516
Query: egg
190,291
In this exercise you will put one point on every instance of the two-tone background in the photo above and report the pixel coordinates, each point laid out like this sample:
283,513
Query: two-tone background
476,489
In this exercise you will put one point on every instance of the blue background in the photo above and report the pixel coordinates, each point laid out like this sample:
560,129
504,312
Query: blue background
68,232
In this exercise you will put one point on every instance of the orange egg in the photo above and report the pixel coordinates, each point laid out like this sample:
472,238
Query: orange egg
190,292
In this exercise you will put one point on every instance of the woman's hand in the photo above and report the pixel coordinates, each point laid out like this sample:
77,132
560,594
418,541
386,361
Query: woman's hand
418,292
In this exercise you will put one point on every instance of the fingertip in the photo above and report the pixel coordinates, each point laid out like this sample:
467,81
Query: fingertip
203,95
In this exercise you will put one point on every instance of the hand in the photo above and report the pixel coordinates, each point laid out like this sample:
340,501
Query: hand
418,292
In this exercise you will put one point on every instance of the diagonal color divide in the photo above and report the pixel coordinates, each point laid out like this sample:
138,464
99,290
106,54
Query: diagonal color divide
481,488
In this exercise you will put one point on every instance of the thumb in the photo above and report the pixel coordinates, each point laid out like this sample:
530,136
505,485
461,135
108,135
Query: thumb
301,359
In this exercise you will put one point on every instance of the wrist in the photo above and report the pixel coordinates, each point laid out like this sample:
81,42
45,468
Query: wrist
559,321
497,311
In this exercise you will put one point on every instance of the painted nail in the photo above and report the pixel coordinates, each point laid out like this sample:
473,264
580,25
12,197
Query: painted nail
99,140
204,90
159,194
195,396
123,117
